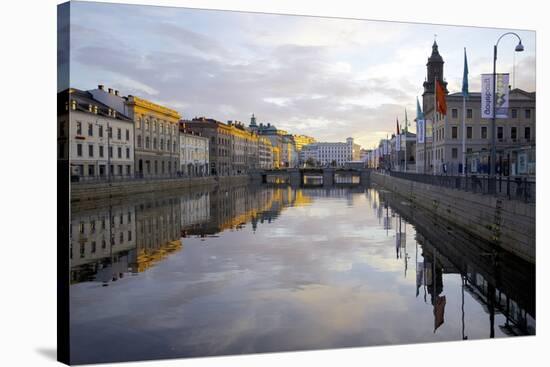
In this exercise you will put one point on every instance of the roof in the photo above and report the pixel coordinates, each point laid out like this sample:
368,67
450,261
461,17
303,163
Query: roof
83,100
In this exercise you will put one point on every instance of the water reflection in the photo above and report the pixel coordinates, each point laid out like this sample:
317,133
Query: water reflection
247,269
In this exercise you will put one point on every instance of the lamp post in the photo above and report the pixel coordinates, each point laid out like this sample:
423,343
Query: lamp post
519,48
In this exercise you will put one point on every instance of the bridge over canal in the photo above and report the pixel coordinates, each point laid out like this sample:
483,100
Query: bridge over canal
298,176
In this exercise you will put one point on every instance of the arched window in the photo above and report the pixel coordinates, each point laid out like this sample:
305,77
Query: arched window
139,141
147,142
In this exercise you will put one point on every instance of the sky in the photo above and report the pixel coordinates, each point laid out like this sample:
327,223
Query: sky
329,78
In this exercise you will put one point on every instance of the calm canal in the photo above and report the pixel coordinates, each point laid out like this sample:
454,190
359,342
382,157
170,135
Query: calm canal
249,269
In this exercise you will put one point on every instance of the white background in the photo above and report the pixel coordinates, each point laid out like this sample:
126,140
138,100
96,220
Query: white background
28,114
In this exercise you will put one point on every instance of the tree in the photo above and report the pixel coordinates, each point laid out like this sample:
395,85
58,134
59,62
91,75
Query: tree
310,162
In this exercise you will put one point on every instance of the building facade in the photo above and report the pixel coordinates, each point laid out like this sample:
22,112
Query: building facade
155,129
233,149
194,154
331,154
515,135
97,139
265,153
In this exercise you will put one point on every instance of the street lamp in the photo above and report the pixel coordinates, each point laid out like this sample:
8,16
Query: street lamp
519,48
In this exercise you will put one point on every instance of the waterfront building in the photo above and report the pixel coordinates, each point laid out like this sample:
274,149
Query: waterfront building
406,153
194,153
336,154
233,149
97,140
156,132
265,153
301,140
515,135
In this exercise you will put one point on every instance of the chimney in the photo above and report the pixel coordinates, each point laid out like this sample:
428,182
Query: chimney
110,90
101,87
116,92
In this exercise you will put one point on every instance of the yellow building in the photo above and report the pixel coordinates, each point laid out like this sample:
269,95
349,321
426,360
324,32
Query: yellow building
276,157
156,137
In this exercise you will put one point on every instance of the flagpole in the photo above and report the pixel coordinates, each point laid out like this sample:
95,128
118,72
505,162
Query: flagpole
405,142
463,134
433,124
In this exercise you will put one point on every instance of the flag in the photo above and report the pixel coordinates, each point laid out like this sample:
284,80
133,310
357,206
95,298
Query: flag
419,113
440,98
439,311
465,76
397,121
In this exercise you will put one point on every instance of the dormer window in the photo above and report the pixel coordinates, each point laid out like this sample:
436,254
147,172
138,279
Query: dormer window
73,105
95,110
114,113
89,108
109,112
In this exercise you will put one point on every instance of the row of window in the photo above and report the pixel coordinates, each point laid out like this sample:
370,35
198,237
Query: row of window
93,244
483,133
101,170
514,113
169,144
101,151
163,127
99,131
102,223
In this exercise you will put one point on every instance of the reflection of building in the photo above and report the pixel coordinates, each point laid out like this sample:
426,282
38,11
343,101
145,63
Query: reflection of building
158,225
516,131
99,238
195,209
194,153
97,139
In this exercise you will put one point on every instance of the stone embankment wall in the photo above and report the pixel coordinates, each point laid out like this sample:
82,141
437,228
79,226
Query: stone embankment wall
509,224
102,190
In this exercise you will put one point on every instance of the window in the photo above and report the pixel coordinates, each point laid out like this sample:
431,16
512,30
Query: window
147,142
514,113
527,113
78,128
91,170
118,133
455,153
100,132
469,113
110,152
161,144
119,152
454,132
528,133
154,126
81,227
468,132
454,112
139,141
79,150
514,133
128,170
82,250
90,150
93,247
484,132
127,135
129,235
138,123
110,132
154,143
500,133
103,244
120,174
90,130
129,217
101,151
127,152
147,125
121,218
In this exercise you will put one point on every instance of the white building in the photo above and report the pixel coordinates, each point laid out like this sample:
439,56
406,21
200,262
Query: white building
265,153
100,140
327,154
194,150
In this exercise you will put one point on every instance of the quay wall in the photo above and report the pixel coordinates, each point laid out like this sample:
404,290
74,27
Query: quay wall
82,192
508,224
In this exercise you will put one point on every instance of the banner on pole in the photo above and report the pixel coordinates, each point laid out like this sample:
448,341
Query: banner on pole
398,143
502,96
420,128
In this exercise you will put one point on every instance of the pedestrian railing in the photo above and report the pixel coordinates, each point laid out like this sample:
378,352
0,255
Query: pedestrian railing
75,179
510,187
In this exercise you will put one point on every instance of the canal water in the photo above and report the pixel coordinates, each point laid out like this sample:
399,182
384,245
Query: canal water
253,269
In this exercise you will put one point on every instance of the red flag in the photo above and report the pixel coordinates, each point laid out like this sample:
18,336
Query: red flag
397,121
440,98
